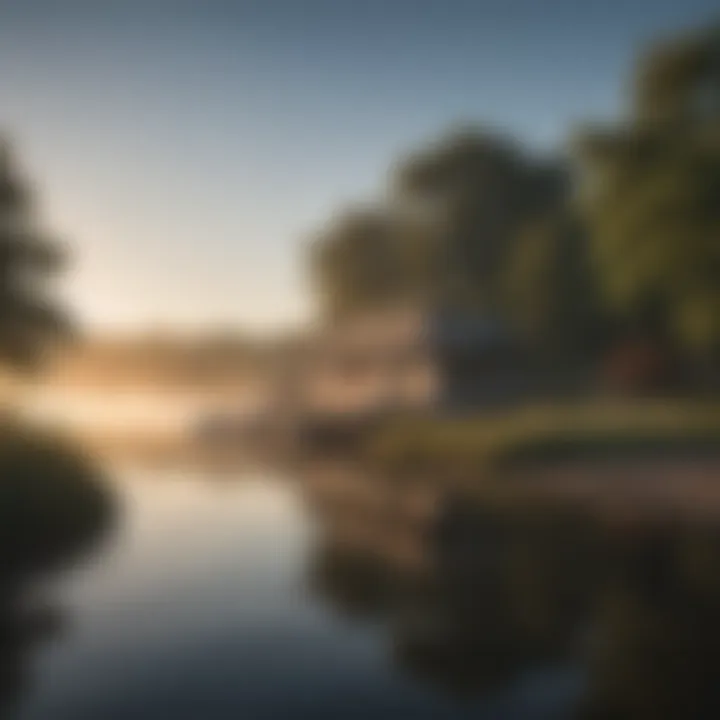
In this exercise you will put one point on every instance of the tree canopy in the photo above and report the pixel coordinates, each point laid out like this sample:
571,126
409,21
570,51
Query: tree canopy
620,242
29,259
444,232
654,202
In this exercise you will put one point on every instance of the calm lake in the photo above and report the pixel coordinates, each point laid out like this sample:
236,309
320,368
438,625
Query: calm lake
202,605
222,595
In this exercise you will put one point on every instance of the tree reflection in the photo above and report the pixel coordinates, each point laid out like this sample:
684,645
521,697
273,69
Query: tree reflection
656,646
54,508
636,606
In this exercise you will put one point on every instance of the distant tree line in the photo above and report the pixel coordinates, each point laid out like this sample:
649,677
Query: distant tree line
200,360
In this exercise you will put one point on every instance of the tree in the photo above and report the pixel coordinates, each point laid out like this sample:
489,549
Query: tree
29,319
677,81
445,232
550,291
355,263
483,189
653,199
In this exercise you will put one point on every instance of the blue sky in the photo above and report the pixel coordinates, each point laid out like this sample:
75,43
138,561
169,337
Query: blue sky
187,150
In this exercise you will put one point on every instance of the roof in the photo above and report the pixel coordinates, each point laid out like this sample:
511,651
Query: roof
399,329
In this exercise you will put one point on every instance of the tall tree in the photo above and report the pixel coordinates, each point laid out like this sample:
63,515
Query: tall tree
653,197
484,189
29,259
445,232
550,290
355,263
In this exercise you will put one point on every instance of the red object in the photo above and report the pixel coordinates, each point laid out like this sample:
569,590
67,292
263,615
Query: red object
637,367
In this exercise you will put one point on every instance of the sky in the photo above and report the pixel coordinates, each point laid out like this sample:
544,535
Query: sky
187,151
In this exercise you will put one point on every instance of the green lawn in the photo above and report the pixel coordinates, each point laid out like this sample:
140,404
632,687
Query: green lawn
553,432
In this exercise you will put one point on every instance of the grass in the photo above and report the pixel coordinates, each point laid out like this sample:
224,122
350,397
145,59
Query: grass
537,434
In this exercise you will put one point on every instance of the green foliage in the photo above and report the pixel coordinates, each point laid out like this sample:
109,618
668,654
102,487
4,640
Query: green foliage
539,433
475,222
484,190
654,204
445,233
550,291
52,501
29,318
679,80
356,263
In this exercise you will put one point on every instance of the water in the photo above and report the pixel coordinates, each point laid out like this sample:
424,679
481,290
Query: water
200,607
233,596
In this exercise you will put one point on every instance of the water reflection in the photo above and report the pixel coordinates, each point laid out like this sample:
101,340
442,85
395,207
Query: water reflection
630,612
54,509
420,605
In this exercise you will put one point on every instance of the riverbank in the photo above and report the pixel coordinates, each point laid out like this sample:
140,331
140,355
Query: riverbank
640,462
537,435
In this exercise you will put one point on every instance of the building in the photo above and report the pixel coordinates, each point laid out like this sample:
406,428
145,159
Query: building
409,361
